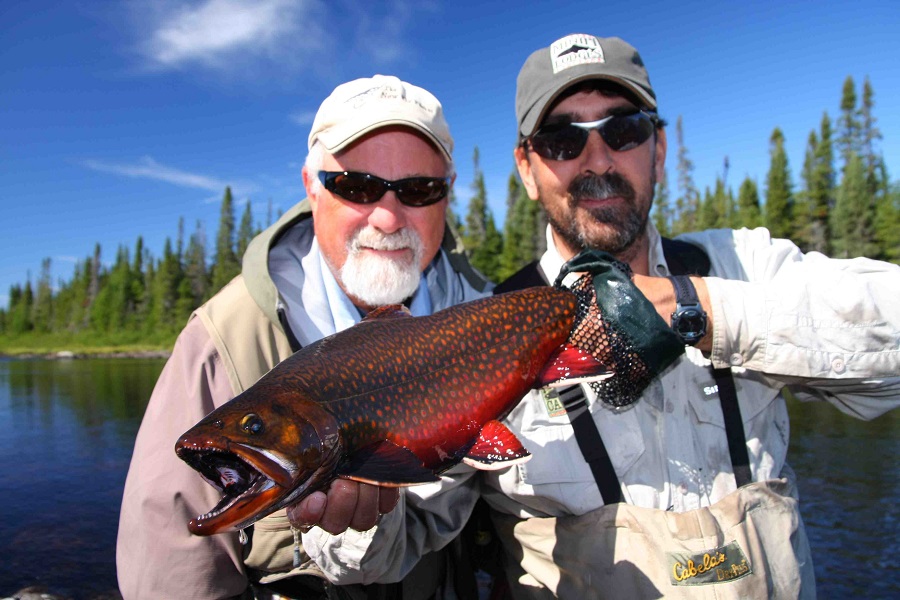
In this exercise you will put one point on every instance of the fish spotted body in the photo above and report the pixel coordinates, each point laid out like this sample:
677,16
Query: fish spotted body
394,400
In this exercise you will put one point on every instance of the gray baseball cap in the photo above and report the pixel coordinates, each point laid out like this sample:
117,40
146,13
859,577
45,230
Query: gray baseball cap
363,105
570,60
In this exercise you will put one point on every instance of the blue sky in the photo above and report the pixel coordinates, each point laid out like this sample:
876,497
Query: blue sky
119,118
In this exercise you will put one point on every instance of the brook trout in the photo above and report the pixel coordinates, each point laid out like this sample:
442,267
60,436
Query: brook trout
394,400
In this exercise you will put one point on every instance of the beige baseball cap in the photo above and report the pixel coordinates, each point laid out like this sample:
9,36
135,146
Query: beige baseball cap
363,105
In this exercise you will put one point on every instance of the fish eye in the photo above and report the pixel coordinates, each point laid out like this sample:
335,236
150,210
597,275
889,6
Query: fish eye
252,424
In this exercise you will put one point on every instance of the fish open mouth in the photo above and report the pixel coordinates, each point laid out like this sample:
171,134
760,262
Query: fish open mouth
246,489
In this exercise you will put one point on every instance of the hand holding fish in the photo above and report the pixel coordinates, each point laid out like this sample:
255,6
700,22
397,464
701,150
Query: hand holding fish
347,505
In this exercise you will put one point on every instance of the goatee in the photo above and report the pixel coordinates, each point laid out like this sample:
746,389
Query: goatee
378,280
579,226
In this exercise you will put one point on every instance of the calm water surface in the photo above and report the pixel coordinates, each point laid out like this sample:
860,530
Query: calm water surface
69,426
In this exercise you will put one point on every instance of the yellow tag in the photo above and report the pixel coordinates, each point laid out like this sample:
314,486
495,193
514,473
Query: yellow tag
554,405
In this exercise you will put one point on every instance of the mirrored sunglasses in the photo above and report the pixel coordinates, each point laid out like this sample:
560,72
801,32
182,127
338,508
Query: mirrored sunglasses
565,141
365,188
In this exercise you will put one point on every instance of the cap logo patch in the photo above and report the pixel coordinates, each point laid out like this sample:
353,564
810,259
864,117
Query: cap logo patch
384,92
574,50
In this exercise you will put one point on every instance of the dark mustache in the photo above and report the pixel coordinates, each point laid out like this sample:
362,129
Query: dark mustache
608,185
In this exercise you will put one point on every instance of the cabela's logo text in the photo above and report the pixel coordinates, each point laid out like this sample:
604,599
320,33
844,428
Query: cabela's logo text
726,563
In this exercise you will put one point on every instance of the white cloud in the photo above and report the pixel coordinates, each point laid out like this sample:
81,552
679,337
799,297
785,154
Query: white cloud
303,118
385,35
223,34
147,168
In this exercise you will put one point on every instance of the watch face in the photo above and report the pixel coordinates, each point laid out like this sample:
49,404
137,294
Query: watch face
690,324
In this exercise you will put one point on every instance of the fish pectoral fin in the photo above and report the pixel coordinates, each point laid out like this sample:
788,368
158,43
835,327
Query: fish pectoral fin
386,464
571,365
496,448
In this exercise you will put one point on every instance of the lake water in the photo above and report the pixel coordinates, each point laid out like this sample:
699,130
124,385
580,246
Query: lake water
68,428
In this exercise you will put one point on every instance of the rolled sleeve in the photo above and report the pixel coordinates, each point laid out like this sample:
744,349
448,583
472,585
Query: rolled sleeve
156,555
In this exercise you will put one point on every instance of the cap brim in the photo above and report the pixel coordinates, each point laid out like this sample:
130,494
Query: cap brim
537,112
336,139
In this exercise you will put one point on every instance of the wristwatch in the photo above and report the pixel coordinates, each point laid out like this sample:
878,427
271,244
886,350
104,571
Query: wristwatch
689,318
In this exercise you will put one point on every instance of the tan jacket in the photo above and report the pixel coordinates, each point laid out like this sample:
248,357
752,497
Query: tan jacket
229,343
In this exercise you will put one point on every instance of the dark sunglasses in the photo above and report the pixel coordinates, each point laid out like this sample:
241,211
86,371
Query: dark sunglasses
565,141
364,188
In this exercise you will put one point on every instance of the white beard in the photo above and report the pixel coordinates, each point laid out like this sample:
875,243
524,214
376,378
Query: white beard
377,280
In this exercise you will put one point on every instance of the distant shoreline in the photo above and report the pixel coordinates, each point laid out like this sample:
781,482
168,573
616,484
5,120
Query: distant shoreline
69,355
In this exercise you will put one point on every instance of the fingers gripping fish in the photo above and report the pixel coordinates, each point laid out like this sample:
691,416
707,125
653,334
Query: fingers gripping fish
395,400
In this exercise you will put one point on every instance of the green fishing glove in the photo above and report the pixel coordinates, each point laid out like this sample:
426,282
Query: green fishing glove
632,338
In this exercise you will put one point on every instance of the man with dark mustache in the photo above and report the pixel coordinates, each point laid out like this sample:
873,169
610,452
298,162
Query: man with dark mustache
684,493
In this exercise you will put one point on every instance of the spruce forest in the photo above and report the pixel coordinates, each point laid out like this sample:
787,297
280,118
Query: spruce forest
841,202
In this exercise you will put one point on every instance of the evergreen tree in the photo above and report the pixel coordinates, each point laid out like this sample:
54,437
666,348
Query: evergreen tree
730,203
179,244
779,203
79,311
887,223
520,232
687,203
513,190
802,204
245,231
226,264
94,287
21,305
149,324
166,281
482,239
822,190
849,131
453,220
715,209
62,298
748,212
869,135
853,216
662,210
195,266
706,211
114,305
43,303
140,294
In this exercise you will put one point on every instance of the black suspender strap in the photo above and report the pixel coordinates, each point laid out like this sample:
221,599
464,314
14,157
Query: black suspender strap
734,426
292,339
590,443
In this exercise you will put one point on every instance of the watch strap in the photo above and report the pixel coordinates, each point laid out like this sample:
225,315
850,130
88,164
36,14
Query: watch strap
685,292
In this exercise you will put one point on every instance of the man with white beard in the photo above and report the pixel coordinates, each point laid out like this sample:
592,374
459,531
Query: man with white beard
371,232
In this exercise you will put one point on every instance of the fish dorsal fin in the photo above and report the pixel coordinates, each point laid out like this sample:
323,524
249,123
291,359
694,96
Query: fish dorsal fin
496,448
387,464
388,311
569,364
